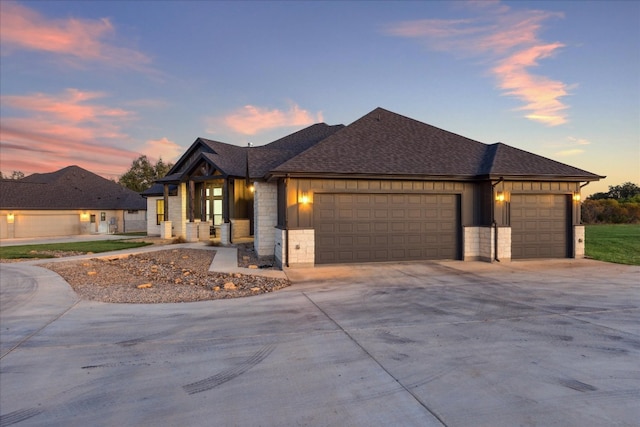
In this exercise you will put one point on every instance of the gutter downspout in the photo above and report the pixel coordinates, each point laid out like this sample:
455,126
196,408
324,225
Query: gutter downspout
493,218
286,221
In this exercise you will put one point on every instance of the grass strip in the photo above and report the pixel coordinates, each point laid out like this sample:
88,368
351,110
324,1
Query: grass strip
617,243
41,251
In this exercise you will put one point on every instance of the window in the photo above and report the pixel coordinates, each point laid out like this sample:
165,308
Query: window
103,216
213,207
159,211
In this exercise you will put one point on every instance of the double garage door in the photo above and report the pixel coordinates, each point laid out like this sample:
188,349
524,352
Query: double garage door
540,226
353,228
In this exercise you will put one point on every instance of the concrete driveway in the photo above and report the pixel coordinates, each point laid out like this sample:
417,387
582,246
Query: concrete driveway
416,344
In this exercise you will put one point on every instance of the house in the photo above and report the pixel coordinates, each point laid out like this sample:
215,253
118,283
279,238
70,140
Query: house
384,188
70,201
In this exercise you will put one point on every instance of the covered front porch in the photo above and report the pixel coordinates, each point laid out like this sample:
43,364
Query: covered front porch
203,204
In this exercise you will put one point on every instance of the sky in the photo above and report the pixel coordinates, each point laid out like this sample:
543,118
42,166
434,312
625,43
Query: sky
99,83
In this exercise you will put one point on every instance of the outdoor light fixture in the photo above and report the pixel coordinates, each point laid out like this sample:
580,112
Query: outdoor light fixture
500,196
576,197
84,216
10,217
304,198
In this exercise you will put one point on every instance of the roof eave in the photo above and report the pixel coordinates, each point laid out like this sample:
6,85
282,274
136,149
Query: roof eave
520,177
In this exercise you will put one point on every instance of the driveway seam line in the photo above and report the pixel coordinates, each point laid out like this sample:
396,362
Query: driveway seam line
34,333
435,415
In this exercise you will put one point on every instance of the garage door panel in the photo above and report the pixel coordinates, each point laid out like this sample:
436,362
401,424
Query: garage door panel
539,226
42,225
392,227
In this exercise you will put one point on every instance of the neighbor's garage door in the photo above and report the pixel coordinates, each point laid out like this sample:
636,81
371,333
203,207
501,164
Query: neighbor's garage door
385,227
47,225
539,226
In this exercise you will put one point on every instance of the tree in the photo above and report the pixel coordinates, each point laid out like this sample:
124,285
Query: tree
142,174
14,175
626,191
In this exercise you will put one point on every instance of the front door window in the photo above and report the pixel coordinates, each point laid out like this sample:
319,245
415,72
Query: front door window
213,205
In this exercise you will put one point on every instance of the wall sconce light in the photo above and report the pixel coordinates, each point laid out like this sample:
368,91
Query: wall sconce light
252,188
576,197
84,216
10,218
500,196
304,198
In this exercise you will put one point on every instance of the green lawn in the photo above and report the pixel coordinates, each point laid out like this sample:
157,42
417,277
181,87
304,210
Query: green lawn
619,243
40,251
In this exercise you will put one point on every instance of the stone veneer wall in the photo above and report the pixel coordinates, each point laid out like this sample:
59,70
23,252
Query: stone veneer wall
301,247
504,243
578,241
471,242
239,228
265,216
178,211
486,243
280,245
479,244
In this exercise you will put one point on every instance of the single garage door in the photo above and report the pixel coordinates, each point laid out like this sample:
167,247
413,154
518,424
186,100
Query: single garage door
385,227
539,226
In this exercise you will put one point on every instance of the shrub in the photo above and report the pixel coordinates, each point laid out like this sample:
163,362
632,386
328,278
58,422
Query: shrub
610,211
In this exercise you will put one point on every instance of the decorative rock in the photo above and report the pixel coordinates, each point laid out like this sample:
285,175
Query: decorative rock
230,286
216,288
255,289
178,280
145,286
237,275
92,273
253,266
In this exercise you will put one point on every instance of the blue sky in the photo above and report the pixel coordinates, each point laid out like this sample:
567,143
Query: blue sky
96,84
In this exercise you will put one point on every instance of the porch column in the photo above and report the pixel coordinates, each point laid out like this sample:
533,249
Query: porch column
165,225
166,201
192,191
225,227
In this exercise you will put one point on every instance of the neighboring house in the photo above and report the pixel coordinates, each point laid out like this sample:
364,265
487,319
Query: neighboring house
70,201
384,188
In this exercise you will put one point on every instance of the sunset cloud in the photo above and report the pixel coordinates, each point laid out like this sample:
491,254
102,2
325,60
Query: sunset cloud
163,149
509,40
251,120
76,40
45,132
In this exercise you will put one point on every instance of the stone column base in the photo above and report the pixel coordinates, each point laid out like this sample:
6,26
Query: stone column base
578,241
192,232
204,231
225,233
165,230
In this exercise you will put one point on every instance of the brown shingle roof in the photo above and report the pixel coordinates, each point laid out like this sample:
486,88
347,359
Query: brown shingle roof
385,143
231,160
68,188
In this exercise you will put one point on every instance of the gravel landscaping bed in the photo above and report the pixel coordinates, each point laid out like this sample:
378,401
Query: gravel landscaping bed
166,276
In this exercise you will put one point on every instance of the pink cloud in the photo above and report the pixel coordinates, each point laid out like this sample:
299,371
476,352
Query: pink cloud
163,149
508,38
250,119
81,39
55,131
